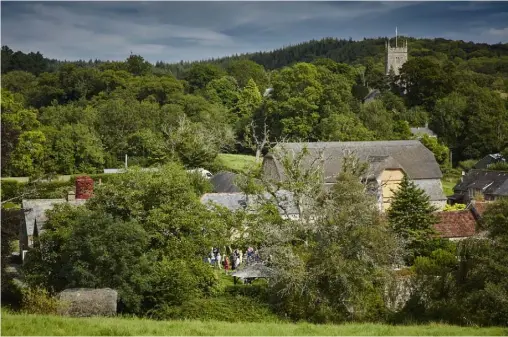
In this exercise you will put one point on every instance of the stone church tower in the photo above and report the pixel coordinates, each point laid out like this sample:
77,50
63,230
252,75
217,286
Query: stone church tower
395,56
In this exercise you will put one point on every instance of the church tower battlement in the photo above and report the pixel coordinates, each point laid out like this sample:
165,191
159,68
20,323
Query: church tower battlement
395,56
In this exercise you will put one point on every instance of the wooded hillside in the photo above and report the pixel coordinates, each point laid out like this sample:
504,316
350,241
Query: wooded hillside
71,117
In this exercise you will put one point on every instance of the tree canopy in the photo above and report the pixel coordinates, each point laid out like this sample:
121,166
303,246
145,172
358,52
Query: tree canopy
317,90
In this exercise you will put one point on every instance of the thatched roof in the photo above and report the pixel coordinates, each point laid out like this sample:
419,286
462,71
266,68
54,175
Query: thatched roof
410,155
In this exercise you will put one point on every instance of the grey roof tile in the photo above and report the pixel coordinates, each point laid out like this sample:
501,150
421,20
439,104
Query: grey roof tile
35,209
224,182
489,182
232,201
241,201
432,187
412,156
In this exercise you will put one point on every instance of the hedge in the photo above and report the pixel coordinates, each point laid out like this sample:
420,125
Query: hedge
223,308
46,189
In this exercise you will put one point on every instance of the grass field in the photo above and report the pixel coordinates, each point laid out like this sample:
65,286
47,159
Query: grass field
29,325
236,162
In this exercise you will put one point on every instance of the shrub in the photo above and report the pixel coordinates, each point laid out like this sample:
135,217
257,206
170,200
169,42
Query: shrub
50,190
39,301
466,165
456,207
257,291
224,308
200,184
39,190
12,292
11,189
500,166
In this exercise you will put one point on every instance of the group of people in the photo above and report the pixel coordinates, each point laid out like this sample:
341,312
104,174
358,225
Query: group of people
233,261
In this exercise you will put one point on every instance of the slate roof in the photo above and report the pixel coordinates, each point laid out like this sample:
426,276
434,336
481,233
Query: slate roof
432,187
488,160
232,201
224,182
371,96
241,201
456,224
35,209
489,182
412,156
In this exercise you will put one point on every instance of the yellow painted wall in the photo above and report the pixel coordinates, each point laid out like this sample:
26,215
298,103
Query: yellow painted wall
390,180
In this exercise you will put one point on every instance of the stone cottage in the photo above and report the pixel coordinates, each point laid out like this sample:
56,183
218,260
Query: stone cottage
34,210
388,161
480,184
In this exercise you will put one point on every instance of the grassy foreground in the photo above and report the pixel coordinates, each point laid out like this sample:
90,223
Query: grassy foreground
40,325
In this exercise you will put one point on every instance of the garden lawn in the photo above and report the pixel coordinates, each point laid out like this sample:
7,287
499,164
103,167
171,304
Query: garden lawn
236,162
40,325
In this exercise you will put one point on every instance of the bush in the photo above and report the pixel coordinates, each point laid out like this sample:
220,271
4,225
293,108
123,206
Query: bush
224,308
466,165
11,189
50,190
451,173
103,177
12,293
500,166
39,301
40,190
456,207
200,184
257,291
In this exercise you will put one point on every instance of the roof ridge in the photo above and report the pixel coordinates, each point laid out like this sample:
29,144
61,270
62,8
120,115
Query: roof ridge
400,141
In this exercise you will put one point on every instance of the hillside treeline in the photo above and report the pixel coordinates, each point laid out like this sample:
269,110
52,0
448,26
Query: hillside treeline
74,117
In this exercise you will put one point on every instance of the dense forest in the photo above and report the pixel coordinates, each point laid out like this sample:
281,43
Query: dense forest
74,117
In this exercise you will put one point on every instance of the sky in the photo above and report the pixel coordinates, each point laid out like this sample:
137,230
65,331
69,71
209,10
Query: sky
191,30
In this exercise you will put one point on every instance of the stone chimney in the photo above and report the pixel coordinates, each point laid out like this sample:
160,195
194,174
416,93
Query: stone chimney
71,196
84,187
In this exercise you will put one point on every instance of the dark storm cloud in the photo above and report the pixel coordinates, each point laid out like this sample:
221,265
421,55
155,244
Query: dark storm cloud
172,31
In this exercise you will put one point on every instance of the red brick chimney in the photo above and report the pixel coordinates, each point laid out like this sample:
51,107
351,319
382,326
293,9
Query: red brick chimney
84,187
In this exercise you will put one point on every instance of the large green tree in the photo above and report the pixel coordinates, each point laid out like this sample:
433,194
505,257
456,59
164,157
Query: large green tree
245,70
330,261
200,74
17,121
424,81
142,233
411,216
